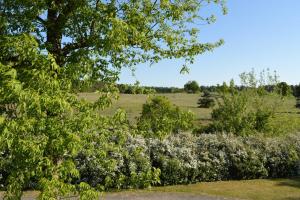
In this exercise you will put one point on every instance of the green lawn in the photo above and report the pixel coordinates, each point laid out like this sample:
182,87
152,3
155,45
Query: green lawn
274,189
261,189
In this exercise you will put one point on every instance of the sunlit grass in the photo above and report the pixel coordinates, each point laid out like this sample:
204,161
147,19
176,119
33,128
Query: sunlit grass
287,117
275,189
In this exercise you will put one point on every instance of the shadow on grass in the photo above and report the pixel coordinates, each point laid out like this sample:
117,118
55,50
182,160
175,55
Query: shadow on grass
293,182
288,112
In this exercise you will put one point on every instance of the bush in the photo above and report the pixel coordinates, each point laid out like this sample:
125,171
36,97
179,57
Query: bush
183,158
250,110
206,101
159,118
116,159
211,157
176,153
283,156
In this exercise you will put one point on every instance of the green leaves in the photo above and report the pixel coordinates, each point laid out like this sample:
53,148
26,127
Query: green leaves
87,36
160,118
251,108
48,49
38,138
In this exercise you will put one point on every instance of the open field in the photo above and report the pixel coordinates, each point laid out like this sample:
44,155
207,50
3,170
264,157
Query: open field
263,189
132,104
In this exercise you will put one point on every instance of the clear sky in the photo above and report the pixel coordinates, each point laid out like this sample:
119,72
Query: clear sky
258,34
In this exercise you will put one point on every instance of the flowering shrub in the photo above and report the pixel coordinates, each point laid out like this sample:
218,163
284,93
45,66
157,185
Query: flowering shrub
184,158
118,160
283,156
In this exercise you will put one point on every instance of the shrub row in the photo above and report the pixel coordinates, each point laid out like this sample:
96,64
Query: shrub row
137,162
185,158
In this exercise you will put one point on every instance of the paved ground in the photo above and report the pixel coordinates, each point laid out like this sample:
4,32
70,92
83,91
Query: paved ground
141,196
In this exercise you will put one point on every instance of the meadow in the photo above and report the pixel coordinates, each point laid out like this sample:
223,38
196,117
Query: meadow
287,114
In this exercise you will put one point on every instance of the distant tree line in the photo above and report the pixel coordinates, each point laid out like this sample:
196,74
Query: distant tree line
137,89
189,87
296,90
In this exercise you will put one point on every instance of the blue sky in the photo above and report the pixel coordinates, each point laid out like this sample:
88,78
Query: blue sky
258,34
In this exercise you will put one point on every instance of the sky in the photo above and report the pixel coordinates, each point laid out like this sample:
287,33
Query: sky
258,34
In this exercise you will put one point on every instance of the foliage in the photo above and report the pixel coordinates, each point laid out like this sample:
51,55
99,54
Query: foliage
50,48
114,158
298,103
104,35
42,132
283,156
284,89
206,101
211,157
159,118
296,90
249,110
191,87
135,89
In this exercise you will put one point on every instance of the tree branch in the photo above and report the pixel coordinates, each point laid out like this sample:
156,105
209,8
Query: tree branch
38,18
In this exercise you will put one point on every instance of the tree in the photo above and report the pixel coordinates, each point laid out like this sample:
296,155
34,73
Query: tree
88,37
192,87
49,47
297,90
284,89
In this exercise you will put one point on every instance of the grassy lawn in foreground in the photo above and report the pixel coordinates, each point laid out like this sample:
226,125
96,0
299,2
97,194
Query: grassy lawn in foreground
262,189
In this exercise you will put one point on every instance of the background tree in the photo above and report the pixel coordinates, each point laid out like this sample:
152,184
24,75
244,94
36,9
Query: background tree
284,89
296,90
191,87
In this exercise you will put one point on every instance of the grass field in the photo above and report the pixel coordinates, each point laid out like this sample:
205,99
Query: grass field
288,116
132,104
276,189
262,189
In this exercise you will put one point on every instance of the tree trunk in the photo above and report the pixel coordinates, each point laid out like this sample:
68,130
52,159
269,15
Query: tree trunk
54,36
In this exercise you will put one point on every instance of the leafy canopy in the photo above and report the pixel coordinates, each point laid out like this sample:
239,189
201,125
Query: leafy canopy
86,37
47,47
192,87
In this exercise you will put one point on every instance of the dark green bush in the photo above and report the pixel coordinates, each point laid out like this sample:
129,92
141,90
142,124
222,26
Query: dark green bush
206,101
298,103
